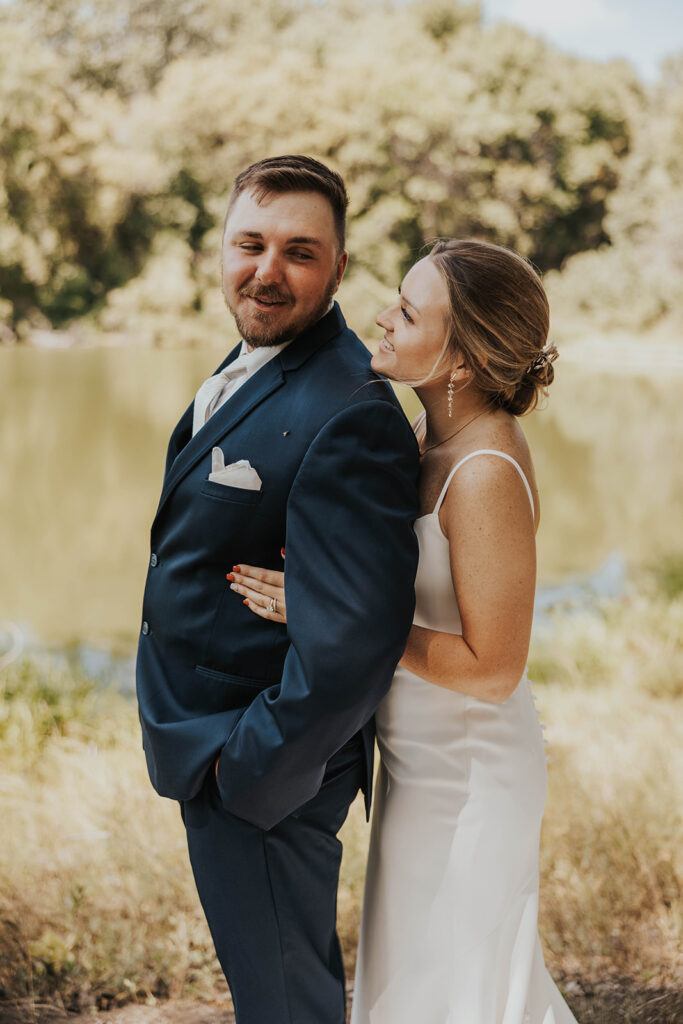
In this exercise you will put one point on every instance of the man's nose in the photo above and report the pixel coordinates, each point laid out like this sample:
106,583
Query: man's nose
269,270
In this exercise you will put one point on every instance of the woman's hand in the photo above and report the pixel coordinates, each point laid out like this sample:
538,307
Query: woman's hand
263,590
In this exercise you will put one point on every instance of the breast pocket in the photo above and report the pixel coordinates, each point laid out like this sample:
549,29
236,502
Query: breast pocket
222,516
234,495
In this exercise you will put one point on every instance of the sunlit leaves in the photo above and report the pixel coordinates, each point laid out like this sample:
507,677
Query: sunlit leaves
123,121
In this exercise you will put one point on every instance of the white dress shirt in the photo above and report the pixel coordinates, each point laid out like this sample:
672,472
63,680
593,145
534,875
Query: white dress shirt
217,389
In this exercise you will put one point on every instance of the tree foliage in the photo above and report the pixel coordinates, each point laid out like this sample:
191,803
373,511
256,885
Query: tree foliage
124,123
636,283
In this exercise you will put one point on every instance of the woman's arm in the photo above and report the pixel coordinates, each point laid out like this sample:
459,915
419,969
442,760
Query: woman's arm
492,551
488,521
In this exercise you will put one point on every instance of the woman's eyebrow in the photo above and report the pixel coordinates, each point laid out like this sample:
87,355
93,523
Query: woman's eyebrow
407,301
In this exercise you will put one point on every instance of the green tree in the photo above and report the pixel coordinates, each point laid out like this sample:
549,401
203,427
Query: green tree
636,282
130,120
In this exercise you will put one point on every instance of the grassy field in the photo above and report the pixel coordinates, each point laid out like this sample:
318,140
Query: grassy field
96,899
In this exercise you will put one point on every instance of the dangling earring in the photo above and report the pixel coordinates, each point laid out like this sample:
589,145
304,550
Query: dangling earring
451,392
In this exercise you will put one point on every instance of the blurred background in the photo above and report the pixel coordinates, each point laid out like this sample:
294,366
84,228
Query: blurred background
554,129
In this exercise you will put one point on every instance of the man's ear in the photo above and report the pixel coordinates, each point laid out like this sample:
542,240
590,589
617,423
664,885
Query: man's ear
341,266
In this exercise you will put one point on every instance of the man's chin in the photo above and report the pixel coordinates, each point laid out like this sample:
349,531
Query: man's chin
263,339
260,334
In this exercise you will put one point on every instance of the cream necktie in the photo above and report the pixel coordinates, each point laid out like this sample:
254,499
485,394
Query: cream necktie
213,387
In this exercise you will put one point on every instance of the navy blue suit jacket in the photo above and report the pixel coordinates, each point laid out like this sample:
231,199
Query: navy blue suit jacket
339,464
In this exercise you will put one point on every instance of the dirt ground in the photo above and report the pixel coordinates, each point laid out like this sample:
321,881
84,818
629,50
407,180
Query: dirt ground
171,1012
612,1003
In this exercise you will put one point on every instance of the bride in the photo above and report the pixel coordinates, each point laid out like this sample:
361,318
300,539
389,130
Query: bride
449,928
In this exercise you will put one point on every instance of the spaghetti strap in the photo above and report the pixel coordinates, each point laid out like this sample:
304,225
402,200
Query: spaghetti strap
485,451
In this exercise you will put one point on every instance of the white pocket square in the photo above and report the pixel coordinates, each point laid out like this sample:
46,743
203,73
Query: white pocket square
237,474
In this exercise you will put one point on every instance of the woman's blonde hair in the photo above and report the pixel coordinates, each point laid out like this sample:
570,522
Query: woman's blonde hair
498,322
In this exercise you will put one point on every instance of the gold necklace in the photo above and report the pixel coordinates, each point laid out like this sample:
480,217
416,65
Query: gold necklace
438,443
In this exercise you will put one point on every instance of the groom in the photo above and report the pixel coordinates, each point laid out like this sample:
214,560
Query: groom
263,731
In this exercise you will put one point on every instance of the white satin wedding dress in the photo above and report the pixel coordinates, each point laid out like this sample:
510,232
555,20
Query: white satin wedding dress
449,929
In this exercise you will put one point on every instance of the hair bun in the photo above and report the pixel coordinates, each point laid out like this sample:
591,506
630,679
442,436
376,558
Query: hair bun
540,369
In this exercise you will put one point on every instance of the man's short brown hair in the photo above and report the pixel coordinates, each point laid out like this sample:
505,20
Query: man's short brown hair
280,174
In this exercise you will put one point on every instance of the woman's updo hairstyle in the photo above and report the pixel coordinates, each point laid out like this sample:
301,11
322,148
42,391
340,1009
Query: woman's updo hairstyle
498,323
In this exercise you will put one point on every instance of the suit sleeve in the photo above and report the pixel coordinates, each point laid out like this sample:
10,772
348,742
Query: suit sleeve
350,572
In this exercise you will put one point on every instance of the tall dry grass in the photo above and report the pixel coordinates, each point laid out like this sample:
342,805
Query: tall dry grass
96,898
612,845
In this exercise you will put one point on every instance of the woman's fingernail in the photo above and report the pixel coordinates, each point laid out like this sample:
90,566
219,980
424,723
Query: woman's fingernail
245,602
282,552
230,577
236,568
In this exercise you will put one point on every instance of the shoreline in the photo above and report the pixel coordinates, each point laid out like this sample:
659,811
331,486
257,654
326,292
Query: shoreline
110,661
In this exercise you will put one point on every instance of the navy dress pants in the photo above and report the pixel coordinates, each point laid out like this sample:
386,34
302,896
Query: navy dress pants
270,898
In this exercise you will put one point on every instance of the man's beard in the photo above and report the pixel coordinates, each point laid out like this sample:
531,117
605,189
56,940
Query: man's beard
266,336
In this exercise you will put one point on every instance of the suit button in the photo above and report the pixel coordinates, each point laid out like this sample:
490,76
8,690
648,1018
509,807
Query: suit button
145,628
154,561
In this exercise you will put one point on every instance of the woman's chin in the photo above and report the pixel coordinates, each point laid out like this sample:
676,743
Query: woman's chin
380,364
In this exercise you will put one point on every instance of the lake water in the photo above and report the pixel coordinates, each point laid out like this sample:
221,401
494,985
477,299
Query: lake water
82,444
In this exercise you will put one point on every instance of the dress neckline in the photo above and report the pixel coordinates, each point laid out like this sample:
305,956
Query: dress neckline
434,515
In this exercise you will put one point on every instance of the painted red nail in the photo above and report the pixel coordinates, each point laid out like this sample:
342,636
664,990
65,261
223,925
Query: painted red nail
282,552
236,568
230,577
245,602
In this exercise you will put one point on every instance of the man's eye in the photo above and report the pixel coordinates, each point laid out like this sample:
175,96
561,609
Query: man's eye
250,247
406,314
298,255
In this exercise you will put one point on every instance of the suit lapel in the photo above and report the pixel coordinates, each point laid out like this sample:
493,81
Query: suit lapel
267,380
179,438
182,433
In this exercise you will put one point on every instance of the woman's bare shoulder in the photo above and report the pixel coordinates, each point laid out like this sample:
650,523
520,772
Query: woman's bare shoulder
486,481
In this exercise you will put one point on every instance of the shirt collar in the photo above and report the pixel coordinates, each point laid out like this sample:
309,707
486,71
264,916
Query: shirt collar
259,356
